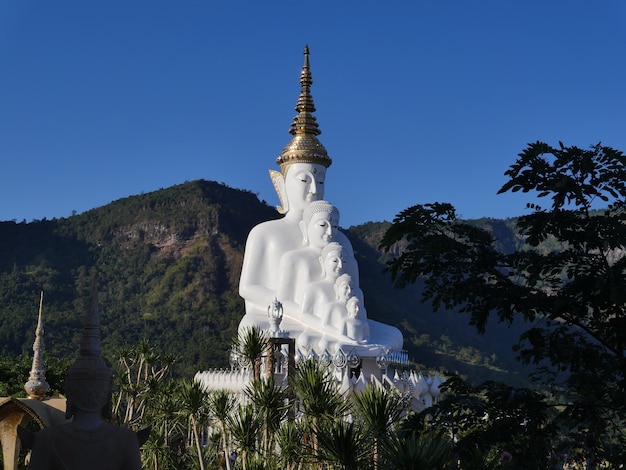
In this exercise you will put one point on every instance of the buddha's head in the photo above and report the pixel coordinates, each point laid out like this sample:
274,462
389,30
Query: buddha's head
299,184
319,222
304,159
353,306
343,287
88,385
332,260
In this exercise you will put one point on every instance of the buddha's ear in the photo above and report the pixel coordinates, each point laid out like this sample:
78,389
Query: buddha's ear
279,185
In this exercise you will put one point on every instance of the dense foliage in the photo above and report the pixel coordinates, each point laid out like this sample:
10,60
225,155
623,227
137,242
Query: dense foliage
307,426
573,294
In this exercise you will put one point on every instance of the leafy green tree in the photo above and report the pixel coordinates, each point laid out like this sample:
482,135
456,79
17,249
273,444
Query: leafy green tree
574,294
485,421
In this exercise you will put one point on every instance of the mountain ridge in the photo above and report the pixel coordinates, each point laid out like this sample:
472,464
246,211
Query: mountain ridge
168,265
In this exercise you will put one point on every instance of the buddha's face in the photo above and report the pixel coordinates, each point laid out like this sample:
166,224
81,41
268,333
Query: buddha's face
344,290
353,308
304,183
333,264
320,230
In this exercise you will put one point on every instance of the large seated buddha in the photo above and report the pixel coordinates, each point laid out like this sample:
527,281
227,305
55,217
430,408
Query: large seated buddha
303,260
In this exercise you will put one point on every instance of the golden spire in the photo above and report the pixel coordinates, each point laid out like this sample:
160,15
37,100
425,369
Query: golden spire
37,387
304,147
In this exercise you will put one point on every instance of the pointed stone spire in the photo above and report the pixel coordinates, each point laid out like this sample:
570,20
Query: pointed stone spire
304,147
37,387
90,340
89,379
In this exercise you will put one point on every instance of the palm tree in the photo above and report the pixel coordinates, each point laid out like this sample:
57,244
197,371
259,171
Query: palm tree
166,428
318,396
340,445
270,404
414,451
251,344
221,404
245,427
157,454
193,405
289,438
379,409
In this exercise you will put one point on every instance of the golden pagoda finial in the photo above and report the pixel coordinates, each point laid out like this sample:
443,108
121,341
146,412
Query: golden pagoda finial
305,122
37,387
304,147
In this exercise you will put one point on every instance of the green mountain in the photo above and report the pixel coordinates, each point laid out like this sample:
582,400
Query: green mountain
168,265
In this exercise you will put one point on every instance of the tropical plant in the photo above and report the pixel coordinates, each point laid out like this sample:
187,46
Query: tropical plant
140,373
220,404
290,438
415,450
271,405
341,445
165,447
245,427
379,409
193,405
318,399
250,345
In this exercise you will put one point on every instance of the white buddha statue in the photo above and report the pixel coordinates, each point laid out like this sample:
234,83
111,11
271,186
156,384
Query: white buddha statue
268,241
303,163
297,260
335,312
321,292
355,325
299,268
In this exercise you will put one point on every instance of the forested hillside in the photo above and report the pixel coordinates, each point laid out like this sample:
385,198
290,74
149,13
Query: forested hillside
168,266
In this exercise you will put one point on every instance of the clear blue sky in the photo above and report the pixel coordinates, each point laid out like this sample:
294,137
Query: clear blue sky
418,101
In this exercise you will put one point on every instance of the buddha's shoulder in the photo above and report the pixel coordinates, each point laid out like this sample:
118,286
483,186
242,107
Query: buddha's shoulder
268,225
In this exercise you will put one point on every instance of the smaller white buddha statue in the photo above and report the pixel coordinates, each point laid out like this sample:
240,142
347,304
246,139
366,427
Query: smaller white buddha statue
355,325
322,292
299,268
336,312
